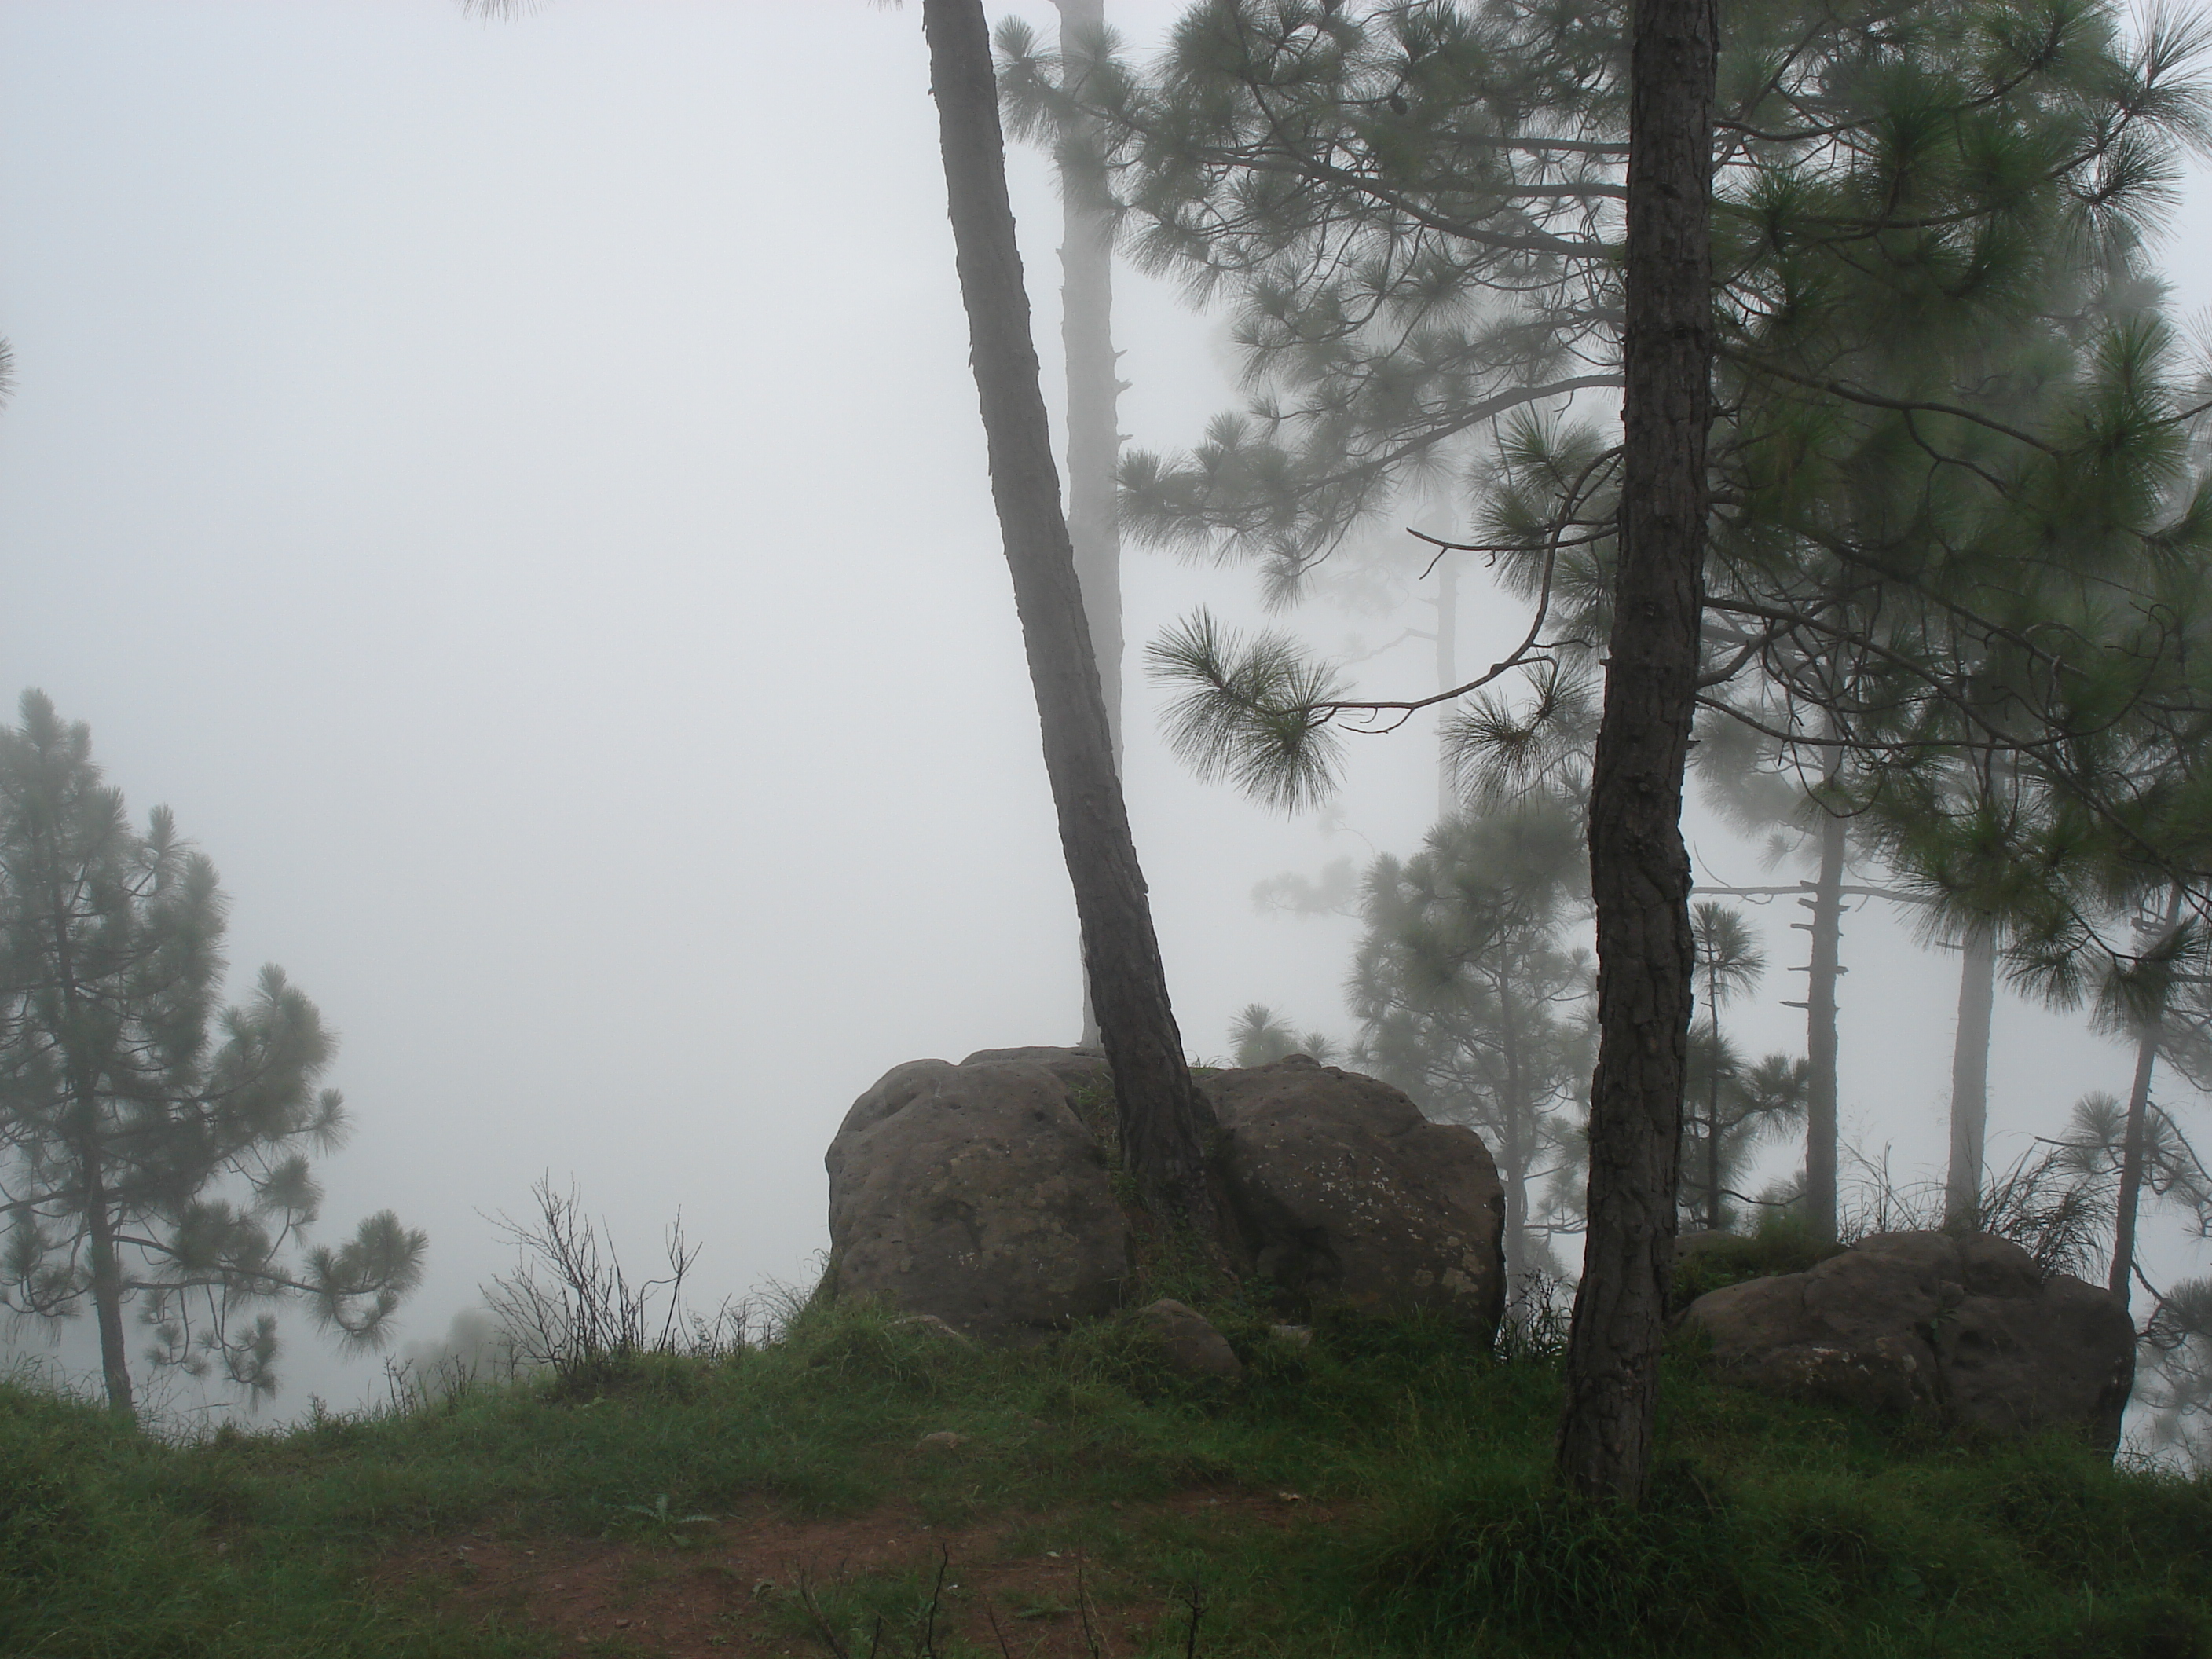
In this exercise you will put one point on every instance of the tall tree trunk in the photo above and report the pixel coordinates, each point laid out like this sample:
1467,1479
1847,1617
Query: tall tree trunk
1094,385
1970,1075
1514,1109
1713,1124
1517,1229
1447,604
1164,1120
2121,1277
106,1263
1639,866
1094,392
1821,973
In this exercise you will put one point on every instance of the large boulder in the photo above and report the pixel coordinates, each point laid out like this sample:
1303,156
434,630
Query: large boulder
1964,1331
979,1192
1082,1072
974,1192
1350,1198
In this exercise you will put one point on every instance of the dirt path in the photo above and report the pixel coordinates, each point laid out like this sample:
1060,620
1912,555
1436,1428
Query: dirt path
764,1584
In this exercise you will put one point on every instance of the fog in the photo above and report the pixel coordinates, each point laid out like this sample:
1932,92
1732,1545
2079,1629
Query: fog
515,492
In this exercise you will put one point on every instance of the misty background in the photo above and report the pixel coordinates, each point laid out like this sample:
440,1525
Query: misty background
515,492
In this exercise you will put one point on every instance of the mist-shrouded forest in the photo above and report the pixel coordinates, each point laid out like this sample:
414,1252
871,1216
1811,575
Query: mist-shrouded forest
510,489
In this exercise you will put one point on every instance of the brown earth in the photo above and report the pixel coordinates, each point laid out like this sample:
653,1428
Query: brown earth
744,1585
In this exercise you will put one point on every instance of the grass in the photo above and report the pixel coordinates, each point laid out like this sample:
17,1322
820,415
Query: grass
1781,1244
1773,1528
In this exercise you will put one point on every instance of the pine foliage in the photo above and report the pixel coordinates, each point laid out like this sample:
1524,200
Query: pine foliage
1473,996
1956,515
154,1146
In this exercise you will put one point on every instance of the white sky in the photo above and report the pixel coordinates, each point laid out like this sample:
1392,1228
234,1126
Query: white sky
516,493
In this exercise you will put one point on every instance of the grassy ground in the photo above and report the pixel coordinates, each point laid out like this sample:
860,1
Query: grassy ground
1382,1492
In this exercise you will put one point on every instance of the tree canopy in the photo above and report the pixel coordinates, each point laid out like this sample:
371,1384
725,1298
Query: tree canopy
154,1147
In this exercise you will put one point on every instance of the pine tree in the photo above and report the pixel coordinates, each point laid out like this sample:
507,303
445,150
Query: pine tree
147,1162
1960,850
1474,998
1260,1036
1923,216
1163,1119
2143,997
1754,1102
1094,382
1639,866
1732,1104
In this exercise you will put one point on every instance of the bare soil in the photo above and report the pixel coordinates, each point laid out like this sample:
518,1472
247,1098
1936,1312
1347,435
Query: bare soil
741,1586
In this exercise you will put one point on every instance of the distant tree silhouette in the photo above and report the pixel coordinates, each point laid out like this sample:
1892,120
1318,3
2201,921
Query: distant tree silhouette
147,1162
1473,999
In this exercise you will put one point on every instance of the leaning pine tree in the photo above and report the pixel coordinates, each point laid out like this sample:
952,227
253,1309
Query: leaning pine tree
147,1163
1162,1118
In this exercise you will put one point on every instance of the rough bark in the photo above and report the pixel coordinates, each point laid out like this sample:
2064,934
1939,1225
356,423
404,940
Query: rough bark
1162,1118
1970,1075
1639,866
1820,1047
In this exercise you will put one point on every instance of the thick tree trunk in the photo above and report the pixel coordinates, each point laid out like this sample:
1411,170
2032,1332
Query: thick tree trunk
1639,867
1970,1076
1822,972
1164,1120
1094,392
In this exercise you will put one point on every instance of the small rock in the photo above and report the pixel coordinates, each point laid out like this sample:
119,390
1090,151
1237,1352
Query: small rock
1188,1344
1299,1336
943,1440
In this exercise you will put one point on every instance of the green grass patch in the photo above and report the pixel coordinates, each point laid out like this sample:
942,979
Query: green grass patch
1782,1244
1385,1490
